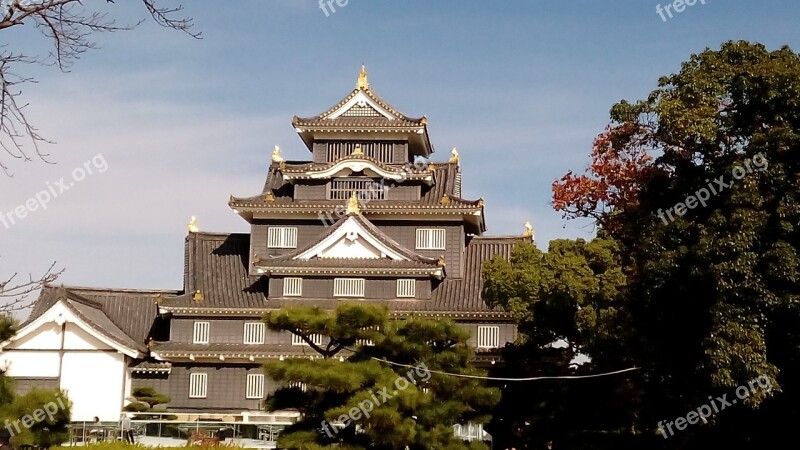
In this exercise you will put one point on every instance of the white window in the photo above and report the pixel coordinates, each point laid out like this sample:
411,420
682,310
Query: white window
292,287
317,339
431,238
254,332
282,237
365,342
407,288
469,431
488,337
348,287
201,332
299,385
255,386
198,385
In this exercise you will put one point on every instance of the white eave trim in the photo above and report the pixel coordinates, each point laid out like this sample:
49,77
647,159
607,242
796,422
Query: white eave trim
351,166
348,228
70,316
361,97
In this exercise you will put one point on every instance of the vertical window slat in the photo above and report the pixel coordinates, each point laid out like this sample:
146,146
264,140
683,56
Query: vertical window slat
198,385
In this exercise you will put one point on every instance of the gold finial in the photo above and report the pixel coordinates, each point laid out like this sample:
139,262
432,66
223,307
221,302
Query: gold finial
159,299
256,259
198,296
150,343
276,155
424,120
431,167
528,230
358,151
193,225
445,199
481,202
441,261
269,197
456,157
352,205
362,84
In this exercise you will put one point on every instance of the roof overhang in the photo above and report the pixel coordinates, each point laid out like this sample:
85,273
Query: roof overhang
61,313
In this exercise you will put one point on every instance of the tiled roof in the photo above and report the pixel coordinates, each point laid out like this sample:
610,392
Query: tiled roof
173,349
445,182
380,123
399,119
217,267
124,316
453,296
369,228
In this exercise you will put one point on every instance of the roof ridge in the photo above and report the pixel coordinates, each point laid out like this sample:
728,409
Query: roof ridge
75,288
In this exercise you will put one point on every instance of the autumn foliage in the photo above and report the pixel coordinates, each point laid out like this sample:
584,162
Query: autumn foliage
620,165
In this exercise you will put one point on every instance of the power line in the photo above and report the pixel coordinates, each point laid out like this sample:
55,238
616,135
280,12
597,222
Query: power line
477,377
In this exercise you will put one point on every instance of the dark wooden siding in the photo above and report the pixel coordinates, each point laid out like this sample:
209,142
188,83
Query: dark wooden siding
406,235
310,191
227,386
222,331
376,288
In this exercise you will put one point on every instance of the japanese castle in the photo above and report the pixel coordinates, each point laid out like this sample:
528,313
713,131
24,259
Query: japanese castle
371,216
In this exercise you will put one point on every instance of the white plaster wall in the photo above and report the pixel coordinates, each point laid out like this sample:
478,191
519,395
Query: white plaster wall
30,364
94,382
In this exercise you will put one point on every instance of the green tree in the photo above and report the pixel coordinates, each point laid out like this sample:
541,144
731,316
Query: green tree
715,281
350,400
147,399
570,305
40,418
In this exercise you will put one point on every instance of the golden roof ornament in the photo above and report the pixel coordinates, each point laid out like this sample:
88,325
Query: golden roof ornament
353,208
456,157
362,84
358,151
441,262
276,155
269,197
431,167
528,230
198,296
445,199
193,225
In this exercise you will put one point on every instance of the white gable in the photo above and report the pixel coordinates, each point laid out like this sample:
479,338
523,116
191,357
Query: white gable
361,103
44,333
351,240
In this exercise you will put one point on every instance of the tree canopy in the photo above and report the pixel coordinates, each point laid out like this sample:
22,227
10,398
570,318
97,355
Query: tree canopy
351,398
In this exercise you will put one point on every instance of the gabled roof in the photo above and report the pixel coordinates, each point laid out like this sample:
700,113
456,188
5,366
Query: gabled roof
368,250
349,164
123,317
363,110
442,198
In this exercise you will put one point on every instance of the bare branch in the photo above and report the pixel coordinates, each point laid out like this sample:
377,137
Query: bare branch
15,293
68,25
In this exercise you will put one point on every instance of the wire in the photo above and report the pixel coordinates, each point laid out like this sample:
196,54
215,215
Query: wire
564,377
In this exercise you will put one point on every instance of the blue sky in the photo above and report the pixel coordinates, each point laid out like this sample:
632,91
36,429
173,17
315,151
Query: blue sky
521,87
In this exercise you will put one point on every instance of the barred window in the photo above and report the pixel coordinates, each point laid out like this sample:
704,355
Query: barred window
202,331
255,332
317,339
365,188
431,238
255,386
282,237
488,336
298,385
292,287
407,288
348,287
198,385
